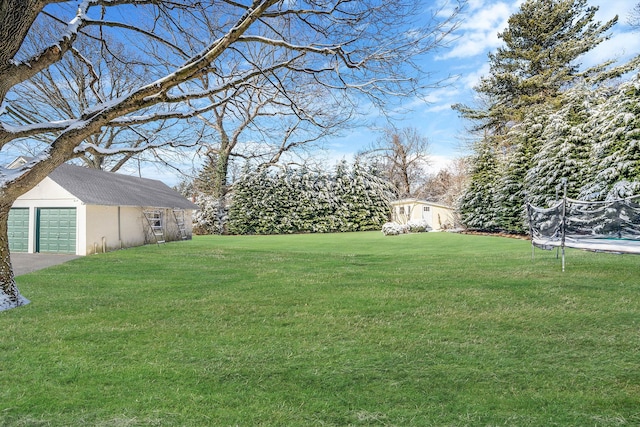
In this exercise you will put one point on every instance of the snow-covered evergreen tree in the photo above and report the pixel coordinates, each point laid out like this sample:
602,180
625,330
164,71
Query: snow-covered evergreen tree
523,142
343,190
616,152
248,202
379,193
210,219
478,204
566,148
368,199
300,201
536,70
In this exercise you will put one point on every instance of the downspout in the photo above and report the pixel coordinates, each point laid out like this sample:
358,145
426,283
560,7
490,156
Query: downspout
119,231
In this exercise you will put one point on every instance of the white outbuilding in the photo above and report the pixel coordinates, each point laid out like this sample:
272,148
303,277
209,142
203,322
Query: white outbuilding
82,211
439,217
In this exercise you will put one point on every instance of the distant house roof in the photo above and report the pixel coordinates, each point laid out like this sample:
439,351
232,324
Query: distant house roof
421,201
97,187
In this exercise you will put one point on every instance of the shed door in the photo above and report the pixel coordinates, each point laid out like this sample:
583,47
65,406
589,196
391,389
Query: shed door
18,229
56,230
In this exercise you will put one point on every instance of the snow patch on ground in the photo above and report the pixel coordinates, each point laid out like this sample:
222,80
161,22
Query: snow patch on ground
6,303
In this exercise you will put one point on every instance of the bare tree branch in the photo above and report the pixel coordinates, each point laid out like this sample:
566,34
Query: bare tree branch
188,58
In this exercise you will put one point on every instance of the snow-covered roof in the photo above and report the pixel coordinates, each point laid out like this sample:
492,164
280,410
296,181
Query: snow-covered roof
97,187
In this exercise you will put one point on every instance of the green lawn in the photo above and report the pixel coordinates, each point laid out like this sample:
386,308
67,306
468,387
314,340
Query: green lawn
433,329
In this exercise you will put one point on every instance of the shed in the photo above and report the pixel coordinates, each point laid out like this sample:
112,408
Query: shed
82,211
438,216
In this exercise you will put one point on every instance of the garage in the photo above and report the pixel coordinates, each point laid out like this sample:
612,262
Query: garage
56,230
18,229
83,211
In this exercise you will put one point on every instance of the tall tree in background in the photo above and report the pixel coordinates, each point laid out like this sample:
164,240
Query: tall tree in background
615,156
634,17
565,150
543,44
402,155
447,184
478,208
511,190
360,48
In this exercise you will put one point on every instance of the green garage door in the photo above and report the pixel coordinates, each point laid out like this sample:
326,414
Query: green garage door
19,230
56,230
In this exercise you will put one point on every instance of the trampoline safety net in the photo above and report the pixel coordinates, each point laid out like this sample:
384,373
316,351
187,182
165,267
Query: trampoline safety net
607,226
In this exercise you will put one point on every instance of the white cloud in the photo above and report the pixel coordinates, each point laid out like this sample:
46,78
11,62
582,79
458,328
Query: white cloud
478,33
442,94
607,9
438,163
438,108
621,47
470,80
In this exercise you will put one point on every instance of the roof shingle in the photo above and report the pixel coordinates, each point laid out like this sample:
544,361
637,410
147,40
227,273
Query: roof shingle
96,187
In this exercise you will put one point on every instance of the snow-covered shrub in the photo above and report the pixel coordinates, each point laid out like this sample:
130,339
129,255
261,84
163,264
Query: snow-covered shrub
393,229
418,226
211,217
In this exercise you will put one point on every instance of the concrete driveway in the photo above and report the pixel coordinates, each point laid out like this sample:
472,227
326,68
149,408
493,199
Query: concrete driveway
26,263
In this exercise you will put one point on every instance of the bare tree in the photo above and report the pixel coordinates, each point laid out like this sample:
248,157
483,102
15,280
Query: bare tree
447,184
634,17
89,74
260,125
402,155
368,48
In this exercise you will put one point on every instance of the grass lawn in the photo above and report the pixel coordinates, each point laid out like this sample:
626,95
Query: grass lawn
433,329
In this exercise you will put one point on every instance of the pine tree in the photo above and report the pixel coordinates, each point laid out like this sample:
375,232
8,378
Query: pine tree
242,212
211,196
616,153
512,193
542,43
565,151
478,205
529,75
205,181
368,200
302,201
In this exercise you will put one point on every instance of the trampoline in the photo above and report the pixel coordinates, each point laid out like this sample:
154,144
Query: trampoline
604,226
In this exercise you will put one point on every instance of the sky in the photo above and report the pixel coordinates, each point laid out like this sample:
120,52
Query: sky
467,57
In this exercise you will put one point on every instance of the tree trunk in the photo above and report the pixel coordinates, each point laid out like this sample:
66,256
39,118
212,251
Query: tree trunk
9,295
221,189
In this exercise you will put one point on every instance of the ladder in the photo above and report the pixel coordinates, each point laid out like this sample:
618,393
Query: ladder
178,214
154,219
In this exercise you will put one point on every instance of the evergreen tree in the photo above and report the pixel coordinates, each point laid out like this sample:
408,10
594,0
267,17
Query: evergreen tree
205,182
367,198
301,201
527,82
616,154
542,43
512,192
341,190
377,201
565,151
478,205
211,217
